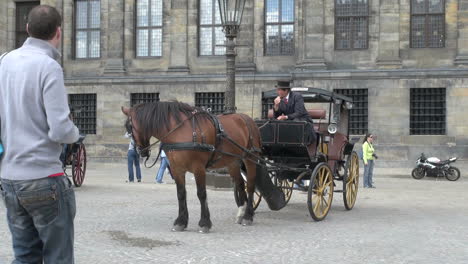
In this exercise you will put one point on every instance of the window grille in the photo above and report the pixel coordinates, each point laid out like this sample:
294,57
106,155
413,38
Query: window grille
351,24
427,111
87,29
279,27
22,12
427,24
83,108
140,98
358,123
149,23
210,29
212,102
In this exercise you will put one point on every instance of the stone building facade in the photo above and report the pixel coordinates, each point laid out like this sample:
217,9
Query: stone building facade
376,58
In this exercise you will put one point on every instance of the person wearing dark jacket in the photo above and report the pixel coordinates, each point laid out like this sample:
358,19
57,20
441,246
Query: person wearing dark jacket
290,106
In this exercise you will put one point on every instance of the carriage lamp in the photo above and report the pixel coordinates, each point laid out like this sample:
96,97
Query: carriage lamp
349,105
231,16
332,128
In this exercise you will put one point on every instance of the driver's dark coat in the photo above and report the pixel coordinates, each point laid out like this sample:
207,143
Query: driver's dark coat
294,109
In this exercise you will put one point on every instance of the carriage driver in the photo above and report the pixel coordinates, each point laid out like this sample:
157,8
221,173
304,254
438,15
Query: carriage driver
290,106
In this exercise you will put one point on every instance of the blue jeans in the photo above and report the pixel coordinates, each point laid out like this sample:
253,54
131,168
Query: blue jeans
40,216
368,173
162,169
133,158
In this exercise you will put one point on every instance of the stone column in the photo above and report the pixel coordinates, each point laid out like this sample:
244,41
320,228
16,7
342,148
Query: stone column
179,37
462,25
310,34
389,37
115,38
245,40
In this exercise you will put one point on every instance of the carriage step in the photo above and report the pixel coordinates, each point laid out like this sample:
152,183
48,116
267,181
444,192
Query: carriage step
338,191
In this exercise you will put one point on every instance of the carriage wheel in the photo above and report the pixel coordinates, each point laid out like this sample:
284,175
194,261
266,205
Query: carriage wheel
320,196
79,166
257,195
288,187
351,181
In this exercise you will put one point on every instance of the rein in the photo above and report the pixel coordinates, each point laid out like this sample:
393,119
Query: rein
148,148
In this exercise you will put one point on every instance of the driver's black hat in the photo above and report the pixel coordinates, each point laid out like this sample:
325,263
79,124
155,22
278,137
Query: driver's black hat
283,84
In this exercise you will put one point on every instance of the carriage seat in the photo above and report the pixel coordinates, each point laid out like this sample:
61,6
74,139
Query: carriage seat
313,113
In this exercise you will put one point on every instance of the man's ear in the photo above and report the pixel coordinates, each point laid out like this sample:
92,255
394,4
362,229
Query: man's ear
125,110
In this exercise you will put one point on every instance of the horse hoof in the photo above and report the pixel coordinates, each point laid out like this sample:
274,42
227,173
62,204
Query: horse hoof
178,228
239,220
246,222
204,230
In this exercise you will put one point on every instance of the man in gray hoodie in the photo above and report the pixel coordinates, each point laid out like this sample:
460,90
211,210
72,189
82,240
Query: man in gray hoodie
40,200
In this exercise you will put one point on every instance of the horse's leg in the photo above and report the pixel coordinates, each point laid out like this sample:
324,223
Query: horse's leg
205,222
235,173
249,211
182,220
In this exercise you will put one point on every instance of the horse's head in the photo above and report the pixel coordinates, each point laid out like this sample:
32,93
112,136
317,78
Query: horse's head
142,143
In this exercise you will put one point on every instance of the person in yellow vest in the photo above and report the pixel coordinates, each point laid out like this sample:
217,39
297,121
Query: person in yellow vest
368,157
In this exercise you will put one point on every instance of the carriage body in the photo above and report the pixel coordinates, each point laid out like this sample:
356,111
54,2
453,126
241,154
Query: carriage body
313,167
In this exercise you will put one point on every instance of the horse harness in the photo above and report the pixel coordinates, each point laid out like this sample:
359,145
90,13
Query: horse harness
205,147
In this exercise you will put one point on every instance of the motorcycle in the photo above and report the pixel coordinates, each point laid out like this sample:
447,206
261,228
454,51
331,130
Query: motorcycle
435,167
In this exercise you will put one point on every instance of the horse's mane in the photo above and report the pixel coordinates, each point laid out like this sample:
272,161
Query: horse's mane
155,117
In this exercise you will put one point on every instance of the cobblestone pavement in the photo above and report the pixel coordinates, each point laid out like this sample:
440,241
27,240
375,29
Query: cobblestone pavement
402,221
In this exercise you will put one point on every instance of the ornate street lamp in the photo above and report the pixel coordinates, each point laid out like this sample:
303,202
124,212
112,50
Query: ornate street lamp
231,16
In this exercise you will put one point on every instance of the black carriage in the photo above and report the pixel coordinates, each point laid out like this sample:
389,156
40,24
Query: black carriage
294,164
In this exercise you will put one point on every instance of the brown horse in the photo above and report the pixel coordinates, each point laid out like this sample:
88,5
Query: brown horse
190,137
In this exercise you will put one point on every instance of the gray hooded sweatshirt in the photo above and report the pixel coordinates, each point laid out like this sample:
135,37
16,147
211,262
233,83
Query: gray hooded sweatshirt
34,112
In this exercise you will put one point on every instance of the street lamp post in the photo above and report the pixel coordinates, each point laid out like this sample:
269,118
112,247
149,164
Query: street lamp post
231,16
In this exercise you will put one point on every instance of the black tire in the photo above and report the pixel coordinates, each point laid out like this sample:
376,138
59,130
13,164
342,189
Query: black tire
453,174
418,173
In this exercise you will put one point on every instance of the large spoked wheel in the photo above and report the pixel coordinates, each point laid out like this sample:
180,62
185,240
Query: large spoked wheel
257,195
351,181
418,173
453,174
320,195
79,166
286,187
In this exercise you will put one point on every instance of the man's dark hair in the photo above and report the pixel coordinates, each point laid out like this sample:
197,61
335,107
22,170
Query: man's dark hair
43,21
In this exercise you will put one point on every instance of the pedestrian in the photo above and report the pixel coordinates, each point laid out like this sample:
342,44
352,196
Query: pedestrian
368,156
39,199
162,168
133,158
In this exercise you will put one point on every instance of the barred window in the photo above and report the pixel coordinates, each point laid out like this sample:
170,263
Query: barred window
210,30
87,29
351,24
427,111
267,104
149,22
141,98
83,108
22,12
427,24
212,102
358,114
279,27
